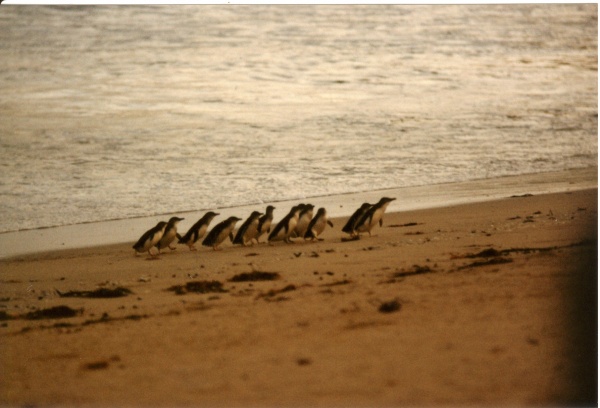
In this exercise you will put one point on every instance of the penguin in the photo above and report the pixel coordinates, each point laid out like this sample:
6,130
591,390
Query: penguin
372,216
150,238
306,214
198,230
349,227
170,234
264,222
284,228
221,231
317,224
249,230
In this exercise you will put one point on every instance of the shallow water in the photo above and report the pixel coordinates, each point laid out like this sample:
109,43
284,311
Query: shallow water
119,112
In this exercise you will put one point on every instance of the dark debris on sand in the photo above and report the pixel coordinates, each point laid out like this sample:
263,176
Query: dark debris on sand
198,287
408,224
98,293
492,261
415,270
255,276
56,312
274,292
389,307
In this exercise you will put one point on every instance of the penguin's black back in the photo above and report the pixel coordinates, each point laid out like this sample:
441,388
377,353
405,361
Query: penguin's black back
214,233
193,231
239,237
148,235
283,223
368,215
349,227
280,225
311,224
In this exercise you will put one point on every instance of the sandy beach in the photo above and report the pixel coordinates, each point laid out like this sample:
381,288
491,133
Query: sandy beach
489,303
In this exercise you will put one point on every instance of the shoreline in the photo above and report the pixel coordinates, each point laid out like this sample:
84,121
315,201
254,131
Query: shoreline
111,232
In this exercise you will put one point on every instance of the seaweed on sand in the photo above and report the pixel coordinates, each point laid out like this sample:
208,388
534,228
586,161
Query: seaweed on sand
98,293
198,287
255,276
56,312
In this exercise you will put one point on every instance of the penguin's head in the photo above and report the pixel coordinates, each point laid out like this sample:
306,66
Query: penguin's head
270,209
365,206
255,214
175,220
211,214
386,200
161,224
321,211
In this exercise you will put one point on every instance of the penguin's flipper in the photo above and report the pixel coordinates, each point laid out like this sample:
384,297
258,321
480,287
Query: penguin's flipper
381,222
178,235
235,240
309,234
330,223
208,241
231,237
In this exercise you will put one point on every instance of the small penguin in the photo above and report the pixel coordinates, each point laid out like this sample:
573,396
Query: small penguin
264,222
150,238
306,214
349,227
198,230
249,230
220,231
317,224
169,235
372,216
284,228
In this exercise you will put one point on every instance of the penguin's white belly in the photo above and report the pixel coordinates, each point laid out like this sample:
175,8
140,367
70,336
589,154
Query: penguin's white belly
153,240
302,225
319,226
252,231
291,226
265,227
202,231
168,238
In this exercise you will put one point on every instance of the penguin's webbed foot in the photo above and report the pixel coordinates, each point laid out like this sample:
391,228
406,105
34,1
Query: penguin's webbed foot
153,257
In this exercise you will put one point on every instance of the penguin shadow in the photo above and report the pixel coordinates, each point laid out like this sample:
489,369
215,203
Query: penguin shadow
153,258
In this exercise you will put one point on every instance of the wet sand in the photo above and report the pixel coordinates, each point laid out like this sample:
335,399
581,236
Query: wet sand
409,198
489,303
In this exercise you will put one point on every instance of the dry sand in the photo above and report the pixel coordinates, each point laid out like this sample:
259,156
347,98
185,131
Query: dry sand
415,315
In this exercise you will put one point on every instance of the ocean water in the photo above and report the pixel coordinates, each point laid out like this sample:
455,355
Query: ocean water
114,112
